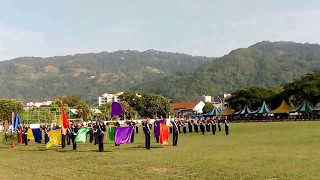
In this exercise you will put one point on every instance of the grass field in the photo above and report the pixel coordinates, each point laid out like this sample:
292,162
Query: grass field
273,150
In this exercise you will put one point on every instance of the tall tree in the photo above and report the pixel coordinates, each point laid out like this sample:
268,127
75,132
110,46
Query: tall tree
7,106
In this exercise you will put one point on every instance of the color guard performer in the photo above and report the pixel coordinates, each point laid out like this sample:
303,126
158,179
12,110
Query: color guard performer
147,132
175,132
74,131
226,126
117,124
154,128
101,129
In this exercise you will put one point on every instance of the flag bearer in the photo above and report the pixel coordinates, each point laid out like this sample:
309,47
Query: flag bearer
26,128
154,128
117,125
132,123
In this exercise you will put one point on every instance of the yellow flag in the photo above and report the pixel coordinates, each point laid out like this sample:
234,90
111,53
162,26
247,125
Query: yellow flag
59,121
30,134
55,138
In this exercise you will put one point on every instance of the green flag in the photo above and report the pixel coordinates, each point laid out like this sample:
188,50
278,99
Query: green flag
82,134
111,132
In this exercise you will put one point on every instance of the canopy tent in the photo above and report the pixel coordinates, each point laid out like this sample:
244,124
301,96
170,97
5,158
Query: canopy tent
228,111
194,116
264,109
283,108
304,107
214,112
244,111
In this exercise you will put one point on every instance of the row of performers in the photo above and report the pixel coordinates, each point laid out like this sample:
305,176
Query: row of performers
202,124
97,131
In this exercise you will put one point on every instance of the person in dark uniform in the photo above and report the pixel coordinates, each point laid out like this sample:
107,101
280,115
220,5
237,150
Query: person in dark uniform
74,131
46,134
90,132
101,129
190,125
175,132
226,126
179,125
147,132
213,124
22,138
18,132
208,124
202,126
154,128
69,135
117,124
95,133
219,124
132,123
184,126
137,128
195,125
26,134
63,140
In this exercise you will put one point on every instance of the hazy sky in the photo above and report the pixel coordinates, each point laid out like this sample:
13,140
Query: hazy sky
197,27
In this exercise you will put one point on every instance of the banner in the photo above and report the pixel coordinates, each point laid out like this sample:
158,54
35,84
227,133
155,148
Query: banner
123,135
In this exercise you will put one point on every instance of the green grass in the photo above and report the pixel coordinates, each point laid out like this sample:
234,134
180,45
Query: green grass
274,150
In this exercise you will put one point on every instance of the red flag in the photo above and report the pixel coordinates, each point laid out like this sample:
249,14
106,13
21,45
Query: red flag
164,134
65,122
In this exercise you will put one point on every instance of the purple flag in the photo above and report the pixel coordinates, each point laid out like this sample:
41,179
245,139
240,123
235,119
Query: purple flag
123,135
116,109
157,128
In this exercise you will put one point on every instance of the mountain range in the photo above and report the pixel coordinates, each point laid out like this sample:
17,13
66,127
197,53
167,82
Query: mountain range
179,77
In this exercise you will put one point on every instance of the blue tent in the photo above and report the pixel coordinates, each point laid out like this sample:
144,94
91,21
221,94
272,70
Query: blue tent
214,112
244,111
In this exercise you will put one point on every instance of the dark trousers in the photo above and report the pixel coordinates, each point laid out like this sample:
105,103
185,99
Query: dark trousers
91,136
137,129
202,129
190,128
157,139
227,129
184,129
219,127
132,137
175,138
147,138
179,129
63,141
26,139
46,138
208,127
196,128
22,139
96,138
74,143
100,141
69,136
170,129
213,129
18,136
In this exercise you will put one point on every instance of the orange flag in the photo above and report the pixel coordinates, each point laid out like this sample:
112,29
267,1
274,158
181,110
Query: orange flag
65,122
164,134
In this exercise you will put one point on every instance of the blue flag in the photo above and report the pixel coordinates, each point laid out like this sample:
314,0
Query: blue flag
16,122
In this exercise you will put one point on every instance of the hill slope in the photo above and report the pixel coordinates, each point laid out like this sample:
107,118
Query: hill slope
265,64
88,75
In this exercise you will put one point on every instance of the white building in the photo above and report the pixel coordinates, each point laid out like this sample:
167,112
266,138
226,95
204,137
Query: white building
39,103
107,98
182,109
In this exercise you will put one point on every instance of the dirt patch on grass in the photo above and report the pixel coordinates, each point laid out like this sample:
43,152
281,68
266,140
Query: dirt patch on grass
159,169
